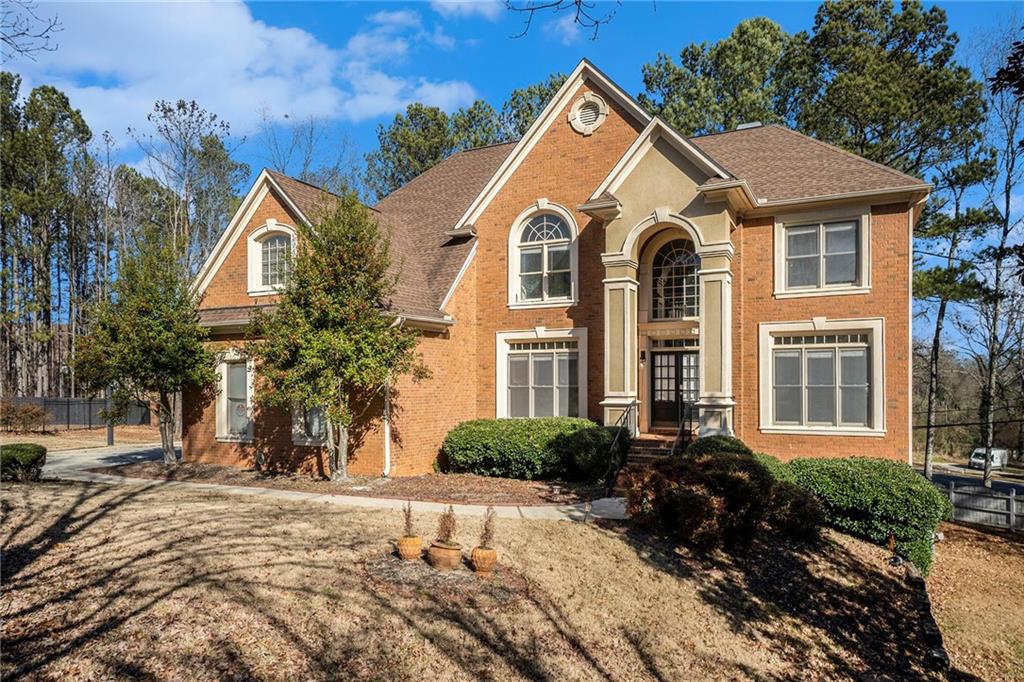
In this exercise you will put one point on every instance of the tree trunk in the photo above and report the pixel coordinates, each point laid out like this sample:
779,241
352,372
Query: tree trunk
933,383
337,451
166,417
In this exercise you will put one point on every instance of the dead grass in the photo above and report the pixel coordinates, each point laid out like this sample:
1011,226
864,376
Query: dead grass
85,438
107,582
445,488
978,599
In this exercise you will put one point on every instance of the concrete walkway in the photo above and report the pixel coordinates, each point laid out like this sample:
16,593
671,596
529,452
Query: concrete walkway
73,465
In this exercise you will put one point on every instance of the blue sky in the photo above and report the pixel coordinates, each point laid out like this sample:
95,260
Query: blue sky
356,63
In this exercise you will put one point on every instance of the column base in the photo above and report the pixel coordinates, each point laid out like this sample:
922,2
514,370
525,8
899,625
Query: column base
715,417
614,409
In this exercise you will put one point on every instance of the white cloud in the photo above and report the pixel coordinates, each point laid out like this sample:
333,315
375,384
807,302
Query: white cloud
488,9
565,28
116,59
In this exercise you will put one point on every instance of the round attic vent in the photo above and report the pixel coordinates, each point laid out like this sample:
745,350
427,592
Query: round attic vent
588,113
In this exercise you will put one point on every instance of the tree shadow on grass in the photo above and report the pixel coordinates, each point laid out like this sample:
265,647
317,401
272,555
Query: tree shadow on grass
843,615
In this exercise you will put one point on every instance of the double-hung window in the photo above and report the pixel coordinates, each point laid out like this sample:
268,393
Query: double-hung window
236,381
543,379
275,260
545,260
821,380
822,255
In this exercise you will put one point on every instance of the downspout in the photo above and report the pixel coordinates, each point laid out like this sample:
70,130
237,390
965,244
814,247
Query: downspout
387,430
387,415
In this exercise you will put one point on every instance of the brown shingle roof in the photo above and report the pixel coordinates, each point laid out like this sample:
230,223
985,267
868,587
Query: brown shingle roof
424,209
779,163
417,216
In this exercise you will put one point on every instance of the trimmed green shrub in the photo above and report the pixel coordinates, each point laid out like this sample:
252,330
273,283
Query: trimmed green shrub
705,500
709,444
877,499
545,447
21,461
794,512
776,467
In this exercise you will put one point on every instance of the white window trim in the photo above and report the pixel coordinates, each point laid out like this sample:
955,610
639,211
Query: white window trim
222,397
873,326
254,257
514,235
299,436
502,341
861,215
574,114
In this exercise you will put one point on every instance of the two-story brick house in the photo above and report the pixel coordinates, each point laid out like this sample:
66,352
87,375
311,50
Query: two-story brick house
754,282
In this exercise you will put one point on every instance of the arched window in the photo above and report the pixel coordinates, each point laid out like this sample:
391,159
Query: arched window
271,248
674,285
275,259
545,259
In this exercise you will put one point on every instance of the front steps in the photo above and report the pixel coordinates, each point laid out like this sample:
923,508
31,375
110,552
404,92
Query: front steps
646,449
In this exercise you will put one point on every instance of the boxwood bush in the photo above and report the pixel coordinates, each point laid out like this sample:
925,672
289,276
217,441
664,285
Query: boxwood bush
877,499
703,446
21,461
546,447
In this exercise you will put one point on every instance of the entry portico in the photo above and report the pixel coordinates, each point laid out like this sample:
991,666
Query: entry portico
667,289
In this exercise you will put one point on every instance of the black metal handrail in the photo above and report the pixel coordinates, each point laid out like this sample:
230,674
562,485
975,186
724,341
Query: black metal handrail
616,459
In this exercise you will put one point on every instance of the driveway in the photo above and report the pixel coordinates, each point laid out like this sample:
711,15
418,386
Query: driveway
76,464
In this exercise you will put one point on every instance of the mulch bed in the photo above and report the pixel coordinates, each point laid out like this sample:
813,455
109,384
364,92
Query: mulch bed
445,488
419,580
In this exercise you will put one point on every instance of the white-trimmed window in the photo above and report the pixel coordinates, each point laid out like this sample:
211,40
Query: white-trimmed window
542,373
543,258
822,376
309,426
234,400
821,379
822,255
543,379
271,249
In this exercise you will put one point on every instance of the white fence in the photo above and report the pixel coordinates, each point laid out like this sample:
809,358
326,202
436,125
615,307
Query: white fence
977,504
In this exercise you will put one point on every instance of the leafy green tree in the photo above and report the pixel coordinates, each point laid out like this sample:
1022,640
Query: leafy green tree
476,126
330,343
411,144
524,105
716,87
885,84
423,136
146,343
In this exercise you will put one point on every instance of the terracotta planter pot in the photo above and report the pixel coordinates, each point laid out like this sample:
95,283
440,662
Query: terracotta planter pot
484,559
444,557
410,547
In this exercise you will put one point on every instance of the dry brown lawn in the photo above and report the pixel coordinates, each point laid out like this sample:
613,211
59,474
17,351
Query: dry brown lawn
977,590
445,488
85,438
105,582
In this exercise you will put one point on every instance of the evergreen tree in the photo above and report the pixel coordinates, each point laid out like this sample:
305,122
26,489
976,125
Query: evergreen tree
330,343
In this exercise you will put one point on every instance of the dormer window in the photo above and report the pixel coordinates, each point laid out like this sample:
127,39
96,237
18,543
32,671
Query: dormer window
542,257
270,253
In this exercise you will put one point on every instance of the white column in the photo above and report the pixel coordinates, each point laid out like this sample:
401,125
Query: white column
620,352
716,397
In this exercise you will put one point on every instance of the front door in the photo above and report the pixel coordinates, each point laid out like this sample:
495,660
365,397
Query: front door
675,387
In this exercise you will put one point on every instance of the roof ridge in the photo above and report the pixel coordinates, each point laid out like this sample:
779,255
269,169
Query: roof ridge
839,149
485,146
301,182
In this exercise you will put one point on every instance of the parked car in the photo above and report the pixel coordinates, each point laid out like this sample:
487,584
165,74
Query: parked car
977,459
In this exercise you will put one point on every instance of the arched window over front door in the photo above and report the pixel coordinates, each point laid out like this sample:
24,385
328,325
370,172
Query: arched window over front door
675,290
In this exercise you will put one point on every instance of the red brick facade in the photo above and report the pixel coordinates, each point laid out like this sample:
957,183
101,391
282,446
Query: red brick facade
565,168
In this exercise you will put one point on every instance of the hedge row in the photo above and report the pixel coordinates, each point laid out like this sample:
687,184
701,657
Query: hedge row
21,461
547,447
875,499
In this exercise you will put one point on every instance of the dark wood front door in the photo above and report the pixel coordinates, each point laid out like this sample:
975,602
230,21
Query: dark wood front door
675,387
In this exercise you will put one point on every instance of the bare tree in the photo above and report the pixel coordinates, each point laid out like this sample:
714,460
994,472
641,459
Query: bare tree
312,150
23,31
584,13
